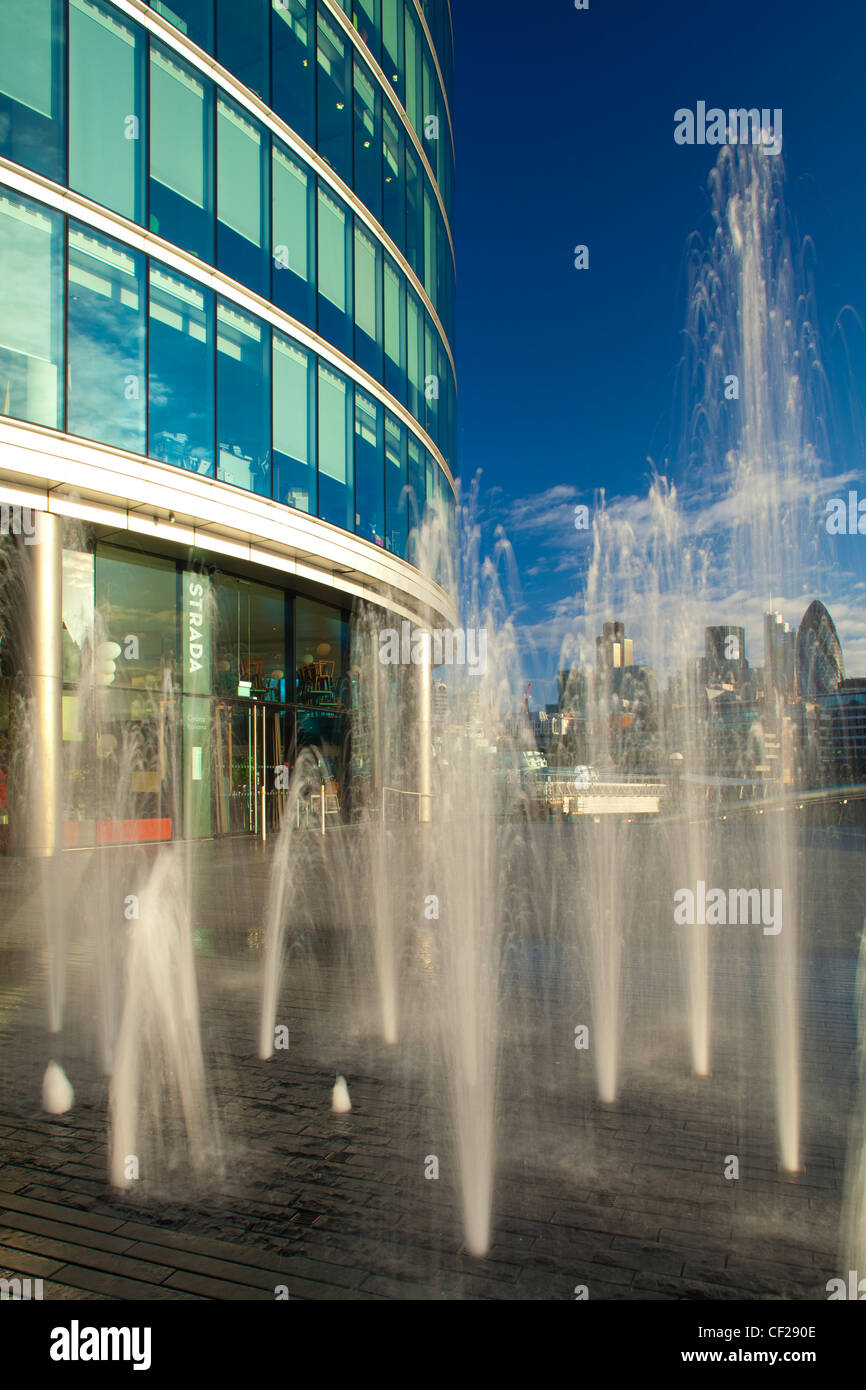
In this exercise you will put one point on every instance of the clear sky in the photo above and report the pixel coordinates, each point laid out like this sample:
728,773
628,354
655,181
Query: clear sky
565,125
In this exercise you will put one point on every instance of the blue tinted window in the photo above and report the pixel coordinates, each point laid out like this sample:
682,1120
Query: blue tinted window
293,236
181,154
106,340
392,45
181,372
194,18
293,65
334,276
396,486
334,96
368,140
107,132
417,494
414,213
366,16
393,158
369,469
415,354
31,311
336,472
243,400
368,301
243,42
243,198
395,330
294,425
32,70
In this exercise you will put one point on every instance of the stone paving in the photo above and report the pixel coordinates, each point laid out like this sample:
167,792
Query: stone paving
627,1199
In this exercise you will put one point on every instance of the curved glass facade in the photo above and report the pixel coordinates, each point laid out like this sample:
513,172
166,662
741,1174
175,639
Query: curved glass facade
819,662
327,204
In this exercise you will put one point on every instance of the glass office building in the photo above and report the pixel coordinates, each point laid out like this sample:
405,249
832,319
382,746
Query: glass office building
227,379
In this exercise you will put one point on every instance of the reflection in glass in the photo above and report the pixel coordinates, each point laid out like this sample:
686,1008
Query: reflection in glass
181,124
336,476
293,237
192,17
242,198
243,400
181,378
243,41
293,65
107,132
394,183
106,340
31,311
395,330
369,471
368,302
334,97
335,271
368,140
32,69
397,486
294,425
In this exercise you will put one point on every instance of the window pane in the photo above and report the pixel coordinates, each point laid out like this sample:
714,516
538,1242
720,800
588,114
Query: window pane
293,65
334,99
106,106
368,301
335,272
369,471
414,78
432,384
396,483
31,85
243,400
181,373
294,425
241,198
243,39
393,138
180,149
368,140
192,17
395,331
392,44
429,246
414,214
366,16
336,478
106,340
250,634
415,355
417,494
293,213
31,311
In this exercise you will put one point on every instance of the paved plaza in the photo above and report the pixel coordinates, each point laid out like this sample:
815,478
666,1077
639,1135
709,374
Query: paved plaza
628,1200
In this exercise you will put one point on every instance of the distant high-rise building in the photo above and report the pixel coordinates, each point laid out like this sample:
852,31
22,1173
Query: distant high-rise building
779,652
613,650
819,664
725,651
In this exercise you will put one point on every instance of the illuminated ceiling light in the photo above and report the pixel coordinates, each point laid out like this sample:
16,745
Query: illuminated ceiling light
340,105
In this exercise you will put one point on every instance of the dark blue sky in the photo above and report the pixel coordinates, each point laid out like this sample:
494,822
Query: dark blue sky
564,124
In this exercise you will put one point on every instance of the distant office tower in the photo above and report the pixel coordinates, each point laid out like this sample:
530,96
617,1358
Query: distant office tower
613,650
819,663
725,652
779,653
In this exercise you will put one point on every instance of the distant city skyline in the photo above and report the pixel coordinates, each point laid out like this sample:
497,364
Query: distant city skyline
567,378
